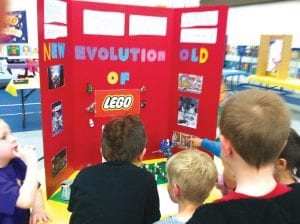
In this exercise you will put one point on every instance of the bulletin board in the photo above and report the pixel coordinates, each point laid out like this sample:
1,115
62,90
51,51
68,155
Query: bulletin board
99,61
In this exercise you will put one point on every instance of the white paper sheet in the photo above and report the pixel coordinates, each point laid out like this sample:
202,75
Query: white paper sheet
103,23
191,19
55,11
147,25
199,35
54,31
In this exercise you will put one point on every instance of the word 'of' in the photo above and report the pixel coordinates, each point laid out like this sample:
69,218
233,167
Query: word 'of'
113,78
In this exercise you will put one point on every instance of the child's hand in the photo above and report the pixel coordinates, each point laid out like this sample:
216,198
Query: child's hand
26,153
39,215
196,141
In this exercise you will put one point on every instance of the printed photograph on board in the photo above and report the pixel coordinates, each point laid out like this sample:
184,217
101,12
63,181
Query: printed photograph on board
55,76
57,118
190,83
59,162
188,111
183,140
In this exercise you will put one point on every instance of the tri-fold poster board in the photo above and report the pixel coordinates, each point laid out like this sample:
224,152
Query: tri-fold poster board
99,61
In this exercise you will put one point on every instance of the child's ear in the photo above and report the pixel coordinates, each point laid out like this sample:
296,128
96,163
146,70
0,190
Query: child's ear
226,146
141,156
176,190
281,164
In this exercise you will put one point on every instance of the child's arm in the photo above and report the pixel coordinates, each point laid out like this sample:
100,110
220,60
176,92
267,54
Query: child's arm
39,214
213,146
28,189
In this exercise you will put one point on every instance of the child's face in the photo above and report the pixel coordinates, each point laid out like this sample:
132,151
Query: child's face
7,143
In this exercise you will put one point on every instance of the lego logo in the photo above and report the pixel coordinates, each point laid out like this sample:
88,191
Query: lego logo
120,102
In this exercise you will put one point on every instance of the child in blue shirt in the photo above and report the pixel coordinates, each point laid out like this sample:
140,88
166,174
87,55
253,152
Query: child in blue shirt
18,182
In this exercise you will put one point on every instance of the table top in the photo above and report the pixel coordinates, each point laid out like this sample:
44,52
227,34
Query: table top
16,65
33,83
289,83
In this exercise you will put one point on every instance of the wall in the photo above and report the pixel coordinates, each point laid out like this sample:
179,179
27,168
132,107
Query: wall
247,23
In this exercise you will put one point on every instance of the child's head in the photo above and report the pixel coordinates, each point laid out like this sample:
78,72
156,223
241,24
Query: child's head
7,143
256,123
288,164
124,139
191,176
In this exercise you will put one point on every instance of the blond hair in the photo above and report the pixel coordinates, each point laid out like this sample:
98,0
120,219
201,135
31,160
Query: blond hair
194,172
257,123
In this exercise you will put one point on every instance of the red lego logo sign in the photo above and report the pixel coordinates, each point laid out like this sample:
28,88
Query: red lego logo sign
117,102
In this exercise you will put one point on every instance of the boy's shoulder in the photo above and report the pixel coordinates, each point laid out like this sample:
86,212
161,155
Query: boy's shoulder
15,169
18,162
15,164
281,209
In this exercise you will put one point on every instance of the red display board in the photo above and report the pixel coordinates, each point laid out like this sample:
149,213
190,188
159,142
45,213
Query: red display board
102,60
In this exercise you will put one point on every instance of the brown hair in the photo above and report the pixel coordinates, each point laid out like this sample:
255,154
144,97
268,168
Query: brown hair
194,172
257,123
123,139
291,153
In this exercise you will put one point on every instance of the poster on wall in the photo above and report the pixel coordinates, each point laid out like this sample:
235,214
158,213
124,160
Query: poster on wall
13,50
16,29
55,76
57,118
25,50
188,111
275,55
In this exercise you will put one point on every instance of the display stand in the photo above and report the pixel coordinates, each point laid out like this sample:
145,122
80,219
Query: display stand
98,61
274,56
